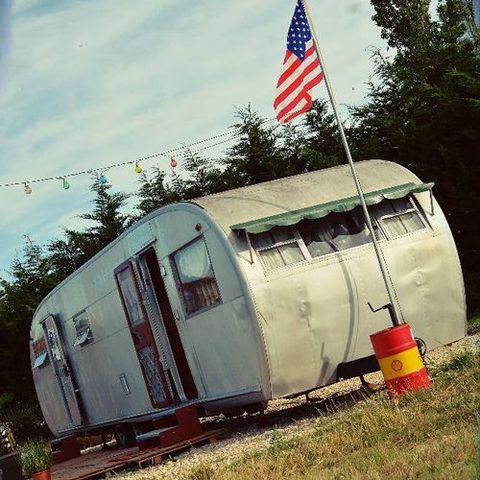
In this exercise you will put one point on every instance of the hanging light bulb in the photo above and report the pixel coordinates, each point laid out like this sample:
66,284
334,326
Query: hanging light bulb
65,184
27,188
102,179
173,162
138,168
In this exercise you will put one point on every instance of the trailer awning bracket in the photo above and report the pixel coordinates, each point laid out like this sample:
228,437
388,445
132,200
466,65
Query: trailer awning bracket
292,217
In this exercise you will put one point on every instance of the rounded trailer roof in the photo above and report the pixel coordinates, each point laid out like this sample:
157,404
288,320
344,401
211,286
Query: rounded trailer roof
278,197
297,192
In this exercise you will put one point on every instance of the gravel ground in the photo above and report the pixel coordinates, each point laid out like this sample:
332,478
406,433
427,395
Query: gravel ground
293,416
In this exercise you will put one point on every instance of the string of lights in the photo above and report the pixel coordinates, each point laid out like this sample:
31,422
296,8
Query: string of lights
100,171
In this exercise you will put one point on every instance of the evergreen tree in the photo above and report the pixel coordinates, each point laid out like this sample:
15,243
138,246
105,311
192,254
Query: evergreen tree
322,147
424,111
32,277
256,157
204,177
69,253
110,223
155,192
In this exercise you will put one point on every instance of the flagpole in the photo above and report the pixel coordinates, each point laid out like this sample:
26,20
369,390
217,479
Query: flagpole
394,311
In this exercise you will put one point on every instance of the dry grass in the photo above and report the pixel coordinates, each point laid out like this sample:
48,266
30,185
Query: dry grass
428,435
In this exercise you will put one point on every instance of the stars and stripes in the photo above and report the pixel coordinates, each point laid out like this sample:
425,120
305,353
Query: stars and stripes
301,70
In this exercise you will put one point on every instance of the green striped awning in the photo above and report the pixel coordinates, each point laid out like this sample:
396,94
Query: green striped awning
292,217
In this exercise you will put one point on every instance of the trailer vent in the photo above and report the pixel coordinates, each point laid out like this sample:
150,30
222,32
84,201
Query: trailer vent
82,329
125,386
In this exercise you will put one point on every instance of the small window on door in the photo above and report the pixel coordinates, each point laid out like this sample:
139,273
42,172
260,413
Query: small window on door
130,296
82,328
40,353
196,277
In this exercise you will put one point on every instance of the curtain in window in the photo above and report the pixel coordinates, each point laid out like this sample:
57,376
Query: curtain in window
193,262
273,255
401,224
350,230
337,231
317,235
130,296
198,283
290,253
271,258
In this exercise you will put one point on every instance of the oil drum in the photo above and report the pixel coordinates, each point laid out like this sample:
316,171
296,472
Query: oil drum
399,359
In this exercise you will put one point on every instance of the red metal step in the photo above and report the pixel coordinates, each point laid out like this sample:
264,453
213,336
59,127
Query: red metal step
187,426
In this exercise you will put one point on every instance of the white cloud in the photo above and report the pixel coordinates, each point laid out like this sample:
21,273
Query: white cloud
94,83
5,9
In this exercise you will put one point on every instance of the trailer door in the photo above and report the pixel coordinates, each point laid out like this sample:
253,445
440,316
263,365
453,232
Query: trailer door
68,390
142,335
163,318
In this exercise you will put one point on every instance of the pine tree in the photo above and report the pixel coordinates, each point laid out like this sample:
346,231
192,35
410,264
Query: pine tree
155,192
31,278
69,253
423,111
322,146
256,157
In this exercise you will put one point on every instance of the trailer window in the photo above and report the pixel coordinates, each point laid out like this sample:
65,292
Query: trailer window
53,344
129,293
196,277
40,353
397,217
335,232
82,329
278,247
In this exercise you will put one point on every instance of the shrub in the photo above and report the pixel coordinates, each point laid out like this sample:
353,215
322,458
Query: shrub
35,456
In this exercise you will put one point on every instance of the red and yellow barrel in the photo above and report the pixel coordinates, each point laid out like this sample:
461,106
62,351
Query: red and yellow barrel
399,359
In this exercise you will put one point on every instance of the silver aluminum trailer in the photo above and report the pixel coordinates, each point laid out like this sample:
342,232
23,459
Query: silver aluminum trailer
243,296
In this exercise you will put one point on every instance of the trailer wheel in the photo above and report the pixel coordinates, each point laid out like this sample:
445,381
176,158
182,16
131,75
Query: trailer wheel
125,435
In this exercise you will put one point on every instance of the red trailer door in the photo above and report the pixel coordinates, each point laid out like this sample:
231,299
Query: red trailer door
142,335
62,371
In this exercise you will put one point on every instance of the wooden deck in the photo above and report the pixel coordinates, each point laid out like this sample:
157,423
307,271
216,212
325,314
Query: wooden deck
100,464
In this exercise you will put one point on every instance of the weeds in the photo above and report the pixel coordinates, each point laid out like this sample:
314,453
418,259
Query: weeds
278,443
203,471
459,362
474,324
432,434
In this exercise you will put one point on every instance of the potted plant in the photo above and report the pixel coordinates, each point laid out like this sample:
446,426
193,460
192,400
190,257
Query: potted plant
36,459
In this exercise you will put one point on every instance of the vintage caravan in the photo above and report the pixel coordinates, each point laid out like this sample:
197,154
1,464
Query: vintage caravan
243,296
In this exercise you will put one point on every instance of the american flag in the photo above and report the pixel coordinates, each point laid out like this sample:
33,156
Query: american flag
301,70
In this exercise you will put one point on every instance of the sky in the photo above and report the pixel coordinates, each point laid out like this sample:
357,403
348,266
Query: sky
89,83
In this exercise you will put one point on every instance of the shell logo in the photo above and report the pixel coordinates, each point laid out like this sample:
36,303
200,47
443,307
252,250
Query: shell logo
396,365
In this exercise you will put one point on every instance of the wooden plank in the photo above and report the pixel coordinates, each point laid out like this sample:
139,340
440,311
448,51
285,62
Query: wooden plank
107,463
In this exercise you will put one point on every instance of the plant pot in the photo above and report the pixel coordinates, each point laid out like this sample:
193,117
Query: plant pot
43,475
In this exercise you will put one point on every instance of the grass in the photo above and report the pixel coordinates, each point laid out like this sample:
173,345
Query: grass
474,324
35,456
429,435
433,434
